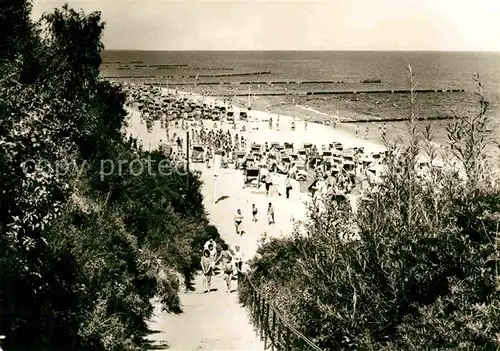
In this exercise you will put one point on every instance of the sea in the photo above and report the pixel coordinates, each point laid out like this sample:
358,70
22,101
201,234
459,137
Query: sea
346,69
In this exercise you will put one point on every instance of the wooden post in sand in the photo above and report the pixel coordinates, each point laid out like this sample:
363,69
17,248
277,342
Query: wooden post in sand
187,157
216,168
214,191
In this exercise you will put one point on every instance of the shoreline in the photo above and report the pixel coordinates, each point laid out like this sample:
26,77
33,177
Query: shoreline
344,132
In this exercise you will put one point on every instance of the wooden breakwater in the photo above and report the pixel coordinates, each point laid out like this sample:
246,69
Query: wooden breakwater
218,75
172,67
346,92
310,93
384,91
394,119
247,83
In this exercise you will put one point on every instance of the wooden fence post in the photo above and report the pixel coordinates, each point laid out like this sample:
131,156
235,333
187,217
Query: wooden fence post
266,324
261,317
278,335
258,315
273,334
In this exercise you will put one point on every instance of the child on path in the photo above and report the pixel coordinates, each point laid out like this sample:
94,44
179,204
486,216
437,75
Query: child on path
270,214
238,219
207,269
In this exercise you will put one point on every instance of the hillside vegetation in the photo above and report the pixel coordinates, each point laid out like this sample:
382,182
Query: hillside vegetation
416,268
81,254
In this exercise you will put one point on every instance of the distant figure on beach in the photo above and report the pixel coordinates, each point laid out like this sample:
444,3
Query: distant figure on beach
357,130
238,219
288,186
313,187
179,144
270,214
366,133
268,181
254,213
384,130
207,270
293,125
305,122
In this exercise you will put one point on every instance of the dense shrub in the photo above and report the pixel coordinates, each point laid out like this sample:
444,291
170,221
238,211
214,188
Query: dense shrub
81,256
416,268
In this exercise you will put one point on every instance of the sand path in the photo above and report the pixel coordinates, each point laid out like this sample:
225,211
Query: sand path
213,321
216,321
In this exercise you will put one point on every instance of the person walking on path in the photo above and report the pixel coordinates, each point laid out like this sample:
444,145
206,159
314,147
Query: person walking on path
288,186
238,258
228,269
224,255
210,241
238,219
212,249
254,213
270,214
207,269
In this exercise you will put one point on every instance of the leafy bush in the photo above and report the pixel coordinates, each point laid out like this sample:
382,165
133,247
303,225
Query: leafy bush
81,256
415,268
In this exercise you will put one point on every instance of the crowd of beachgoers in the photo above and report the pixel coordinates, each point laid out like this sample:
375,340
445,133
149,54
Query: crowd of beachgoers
331,166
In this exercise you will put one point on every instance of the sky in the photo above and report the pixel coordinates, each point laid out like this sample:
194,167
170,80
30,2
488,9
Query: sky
447,25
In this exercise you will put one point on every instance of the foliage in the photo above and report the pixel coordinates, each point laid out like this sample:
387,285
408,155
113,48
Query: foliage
416,268
81,255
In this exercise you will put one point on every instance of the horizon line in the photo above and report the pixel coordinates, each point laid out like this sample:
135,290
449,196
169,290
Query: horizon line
296,50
